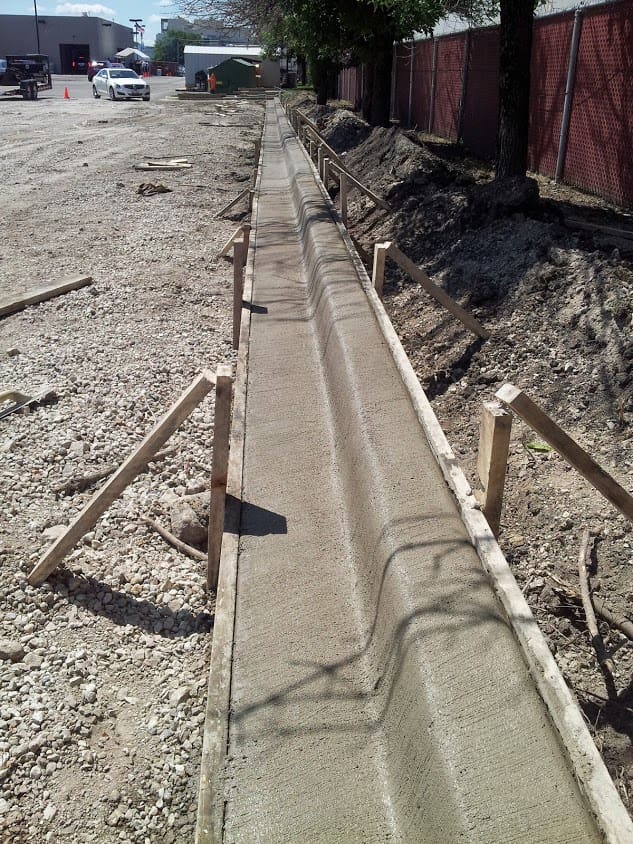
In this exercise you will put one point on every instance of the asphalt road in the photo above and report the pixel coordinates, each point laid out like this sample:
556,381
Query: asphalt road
80,89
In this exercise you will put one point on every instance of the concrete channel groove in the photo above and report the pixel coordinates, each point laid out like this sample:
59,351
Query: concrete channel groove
367,684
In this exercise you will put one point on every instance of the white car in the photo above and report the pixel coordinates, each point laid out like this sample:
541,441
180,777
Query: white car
119,83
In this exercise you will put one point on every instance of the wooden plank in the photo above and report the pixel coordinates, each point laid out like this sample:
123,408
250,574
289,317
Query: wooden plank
492,460
625,234
436,292
219,469
569,450
343,198
124,475
229,243
233,202
33,297
377,200
381,250
239,255
326,171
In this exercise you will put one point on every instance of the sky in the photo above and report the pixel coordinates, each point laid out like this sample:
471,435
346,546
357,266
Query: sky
119,11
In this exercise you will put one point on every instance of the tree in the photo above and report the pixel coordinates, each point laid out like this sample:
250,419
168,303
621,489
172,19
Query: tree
517,18
170,45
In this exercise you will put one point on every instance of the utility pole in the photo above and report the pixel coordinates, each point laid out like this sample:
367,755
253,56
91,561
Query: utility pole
136,22
37,27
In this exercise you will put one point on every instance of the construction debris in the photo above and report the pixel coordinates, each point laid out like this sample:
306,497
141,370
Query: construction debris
149,189
20,400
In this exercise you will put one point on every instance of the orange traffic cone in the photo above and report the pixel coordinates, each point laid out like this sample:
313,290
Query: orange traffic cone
66,94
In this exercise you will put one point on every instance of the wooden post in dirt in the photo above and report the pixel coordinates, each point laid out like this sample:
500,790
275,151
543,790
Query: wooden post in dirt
219,470
239,258
569,450
326,171
124,475
246,236
343,191
378,274
492,459
258,146
251,196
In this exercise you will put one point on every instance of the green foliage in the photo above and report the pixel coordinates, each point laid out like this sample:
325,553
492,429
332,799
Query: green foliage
170,45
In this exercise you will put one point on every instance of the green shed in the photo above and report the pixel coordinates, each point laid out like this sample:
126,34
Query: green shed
233,74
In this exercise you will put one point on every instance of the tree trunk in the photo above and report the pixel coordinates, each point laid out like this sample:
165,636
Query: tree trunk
377,103
320,80
517,18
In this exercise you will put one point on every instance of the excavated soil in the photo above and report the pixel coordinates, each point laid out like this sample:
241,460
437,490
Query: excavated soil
557,299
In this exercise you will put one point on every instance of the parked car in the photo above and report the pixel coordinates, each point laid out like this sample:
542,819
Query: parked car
96,66
119,83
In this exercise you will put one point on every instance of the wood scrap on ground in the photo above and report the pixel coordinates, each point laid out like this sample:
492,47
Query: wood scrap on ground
164,164
21,401
79,483
569,593
606,665
34,297
149,189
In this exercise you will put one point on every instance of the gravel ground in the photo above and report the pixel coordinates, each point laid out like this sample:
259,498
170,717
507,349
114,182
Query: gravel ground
103,668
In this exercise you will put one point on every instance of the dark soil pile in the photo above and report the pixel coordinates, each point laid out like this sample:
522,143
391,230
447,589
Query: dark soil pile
558,301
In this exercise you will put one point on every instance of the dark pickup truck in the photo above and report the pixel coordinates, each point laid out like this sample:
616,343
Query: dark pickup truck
24,76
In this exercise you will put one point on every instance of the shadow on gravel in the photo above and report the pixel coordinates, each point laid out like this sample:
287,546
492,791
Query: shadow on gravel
122,609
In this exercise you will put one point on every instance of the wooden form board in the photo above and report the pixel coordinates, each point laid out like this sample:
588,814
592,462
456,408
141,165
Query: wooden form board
569,450
239,259
219,470
377,200
436,292
33,297
492,460
124,475
233,202
381,251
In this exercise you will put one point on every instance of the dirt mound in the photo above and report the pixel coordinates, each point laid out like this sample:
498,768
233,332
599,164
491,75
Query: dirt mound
344,131
557,299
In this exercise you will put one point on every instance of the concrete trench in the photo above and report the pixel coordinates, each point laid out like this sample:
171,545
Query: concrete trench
372,679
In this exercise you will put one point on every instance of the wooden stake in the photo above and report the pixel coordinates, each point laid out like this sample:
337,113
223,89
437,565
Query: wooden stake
606,665
229,243
251,196
381,251
232,203
320,159
239,254
436,292
377,200
219,470
43,293
126,473
326,171
492,460
258,146
568,448
343,189
246,235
